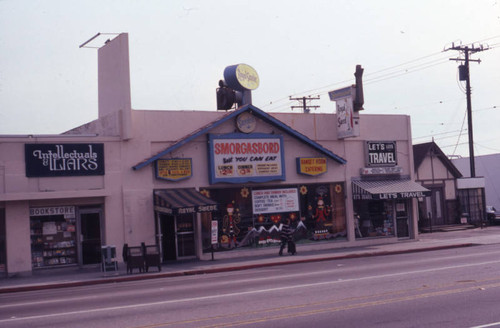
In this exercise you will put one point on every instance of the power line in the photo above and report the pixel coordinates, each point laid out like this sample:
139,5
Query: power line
376,79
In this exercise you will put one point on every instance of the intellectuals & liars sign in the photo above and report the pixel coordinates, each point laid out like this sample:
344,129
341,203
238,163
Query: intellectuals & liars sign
56,160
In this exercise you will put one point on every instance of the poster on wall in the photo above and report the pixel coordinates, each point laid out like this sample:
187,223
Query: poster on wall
237,158
275,200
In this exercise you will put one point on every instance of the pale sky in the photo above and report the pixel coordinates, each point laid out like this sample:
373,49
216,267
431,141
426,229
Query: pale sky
179,49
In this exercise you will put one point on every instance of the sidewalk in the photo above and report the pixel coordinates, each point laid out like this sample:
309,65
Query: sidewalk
71,277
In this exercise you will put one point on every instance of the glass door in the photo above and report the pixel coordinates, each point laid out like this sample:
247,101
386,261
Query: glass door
402,219
185,235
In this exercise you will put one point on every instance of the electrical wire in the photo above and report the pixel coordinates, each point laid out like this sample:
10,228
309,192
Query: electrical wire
460,135
376,79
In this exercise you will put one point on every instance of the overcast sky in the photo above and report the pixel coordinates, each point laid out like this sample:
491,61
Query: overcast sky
179,49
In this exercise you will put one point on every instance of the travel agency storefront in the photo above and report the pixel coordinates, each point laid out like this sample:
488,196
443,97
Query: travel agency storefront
382,195
261,171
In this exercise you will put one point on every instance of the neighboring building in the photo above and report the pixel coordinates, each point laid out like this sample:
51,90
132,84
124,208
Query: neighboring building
487,166
436,172
196,182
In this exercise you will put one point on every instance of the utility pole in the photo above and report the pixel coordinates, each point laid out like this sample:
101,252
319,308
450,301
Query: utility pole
305,100
465,76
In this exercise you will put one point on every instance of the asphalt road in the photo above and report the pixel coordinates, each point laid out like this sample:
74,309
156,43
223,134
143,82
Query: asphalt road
448,288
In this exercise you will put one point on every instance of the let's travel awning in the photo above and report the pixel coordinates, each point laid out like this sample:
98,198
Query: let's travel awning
387,189
182,201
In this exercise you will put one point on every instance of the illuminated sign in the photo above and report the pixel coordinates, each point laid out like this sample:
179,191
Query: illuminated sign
237,158
311,165
174,169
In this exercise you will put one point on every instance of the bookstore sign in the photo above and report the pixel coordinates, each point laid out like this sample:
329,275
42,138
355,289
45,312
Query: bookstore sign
57,160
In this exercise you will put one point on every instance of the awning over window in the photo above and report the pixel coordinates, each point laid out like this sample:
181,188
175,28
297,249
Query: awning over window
387,189
182,201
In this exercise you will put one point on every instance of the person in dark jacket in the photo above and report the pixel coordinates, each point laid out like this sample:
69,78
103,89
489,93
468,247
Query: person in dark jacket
286,236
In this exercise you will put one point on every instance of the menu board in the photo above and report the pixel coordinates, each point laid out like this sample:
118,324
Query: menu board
275,200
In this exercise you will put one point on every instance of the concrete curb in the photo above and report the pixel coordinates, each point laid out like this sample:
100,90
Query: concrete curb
108,280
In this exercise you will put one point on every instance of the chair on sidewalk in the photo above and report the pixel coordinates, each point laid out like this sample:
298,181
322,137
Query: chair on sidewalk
109,262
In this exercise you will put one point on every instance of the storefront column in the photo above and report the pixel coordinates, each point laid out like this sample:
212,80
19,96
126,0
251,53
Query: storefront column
351,234
18,242
198,244
414,219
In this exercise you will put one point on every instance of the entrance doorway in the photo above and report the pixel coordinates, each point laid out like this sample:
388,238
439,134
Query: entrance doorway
90,235
177,236
402,219
434,206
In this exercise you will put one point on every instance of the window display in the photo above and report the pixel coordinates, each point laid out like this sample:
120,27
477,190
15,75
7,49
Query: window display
374,218
252,217
53,240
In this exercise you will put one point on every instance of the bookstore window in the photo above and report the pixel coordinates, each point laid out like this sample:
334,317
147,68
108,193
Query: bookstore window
53,236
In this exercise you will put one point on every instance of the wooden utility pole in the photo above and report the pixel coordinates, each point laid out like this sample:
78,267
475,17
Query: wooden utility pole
465,76
305,106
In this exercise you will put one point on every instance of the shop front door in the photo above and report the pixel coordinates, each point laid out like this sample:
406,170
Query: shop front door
185,235
402,219
90,236
168,244
177,236
434,206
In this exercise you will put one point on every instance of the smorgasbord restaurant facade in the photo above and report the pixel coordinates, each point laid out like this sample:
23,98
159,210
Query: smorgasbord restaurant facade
198,183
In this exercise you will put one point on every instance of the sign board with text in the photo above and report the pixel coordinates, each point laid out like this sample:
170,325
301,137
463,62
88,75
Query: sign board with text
347,119
62,160
312,166
275,200
174,169
381,153
238,157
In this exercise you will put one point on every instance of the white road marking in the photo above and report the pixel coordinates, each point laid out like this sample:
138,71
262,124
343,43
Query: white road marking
259,291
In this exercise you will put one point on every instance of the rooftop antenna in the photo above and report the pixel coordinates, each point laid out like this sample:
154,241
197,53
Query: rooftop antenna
86,43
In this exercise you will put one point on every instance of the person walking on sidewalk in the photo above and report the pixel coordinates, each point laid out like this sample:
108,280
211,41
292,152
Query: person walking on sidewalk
286,236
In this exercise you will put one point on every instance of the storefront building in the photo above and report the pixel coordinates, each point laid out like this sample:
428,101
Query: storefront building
201,183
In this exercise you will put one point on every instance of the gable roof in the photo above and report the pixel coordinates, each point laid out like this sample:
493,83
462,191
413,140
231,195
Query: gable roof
256,112
421,151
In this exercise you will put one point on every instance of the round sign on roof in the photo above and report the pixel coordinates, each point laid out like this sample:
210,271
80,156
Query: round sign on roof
241,77
246,122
